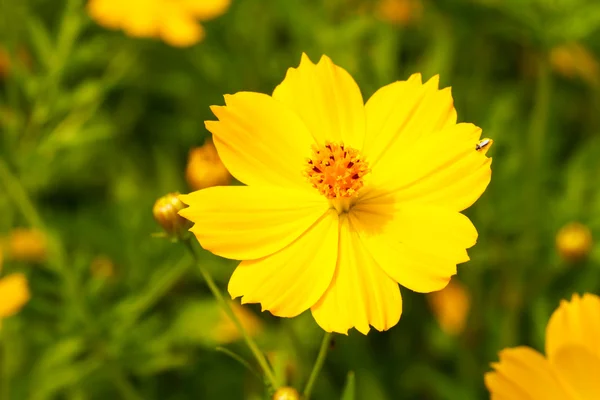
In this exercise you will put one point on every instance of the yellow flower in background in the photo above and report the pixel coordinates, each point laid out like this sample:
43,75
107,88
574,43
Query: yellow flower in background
225,331
286,393
575,60
205,168
574,241
344,199
27,245
400,12
451,307
571,368
102,267
14,293
174,21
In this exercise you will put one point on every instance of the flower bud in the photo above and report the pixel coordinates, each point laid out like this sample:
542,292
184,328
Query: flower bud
14,293
205,168
400,12
451,307
574,241
225,331
27,245
286,393
165,212
575,60
102,267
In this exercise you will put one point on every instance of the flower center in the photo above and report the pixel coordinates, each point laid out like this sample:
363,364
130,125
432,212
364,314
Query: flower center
336,171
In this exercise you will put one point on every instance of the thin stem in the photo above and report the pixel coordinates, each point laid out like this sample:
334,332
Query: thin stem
318,365
15,190
239,359
5,378
260,357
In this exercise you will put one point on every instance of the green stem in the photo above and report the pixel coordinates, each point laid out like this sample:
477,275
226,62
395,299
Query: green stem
15,190
317,367
5,378
239,359
226,305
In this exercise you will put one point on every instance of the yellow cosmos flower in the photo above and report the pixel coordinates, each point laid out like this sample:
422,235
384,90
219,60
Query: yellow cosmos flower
571,367
344,200
14,293
205,168
174,21
451,307
574,241
28,245
225,331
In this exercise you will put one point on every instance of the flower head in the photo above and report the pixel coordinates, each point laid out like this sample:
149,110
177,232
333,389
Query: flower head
205,168
29,245
451,307
571,367
286,393
14,293
574,241
174,21
344,200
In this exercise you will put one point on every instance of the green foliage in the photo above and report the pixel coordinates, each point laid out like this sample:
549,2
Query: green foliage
95,125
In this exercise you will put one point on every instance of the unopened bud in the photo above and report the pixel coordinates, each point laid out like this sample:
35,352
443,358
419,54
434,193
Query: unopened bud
27,245
286,393
102,267
165,212
205,168
574,241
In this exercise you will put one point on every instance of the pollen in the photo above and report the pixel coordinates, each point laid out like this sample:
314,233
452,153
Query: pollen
336,171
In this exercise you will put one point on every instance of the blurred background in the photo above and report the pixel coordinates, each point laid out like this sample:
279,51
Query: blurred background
101,112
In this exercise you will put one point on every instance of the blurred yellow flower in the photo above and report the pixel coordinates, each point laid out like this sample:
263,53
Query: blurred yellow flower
205,168
451,307
27,245
165,212
14,293
102,267
574,241
400,12
344,199
571,368
286,393
226,331
575,60
174,21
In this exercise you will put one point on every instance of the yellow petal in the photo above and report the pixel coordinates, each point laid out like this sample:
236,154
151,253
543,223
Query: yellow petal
293,279
108,13
179,28
400,114
442,168
142,17
360,294
206,9
575,323
417,245
524,374
580,370
245,222
261,141
14,293
327,99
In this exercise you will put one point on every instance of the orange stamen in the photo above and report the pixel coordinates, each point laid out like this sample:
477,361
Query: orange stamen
336,171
